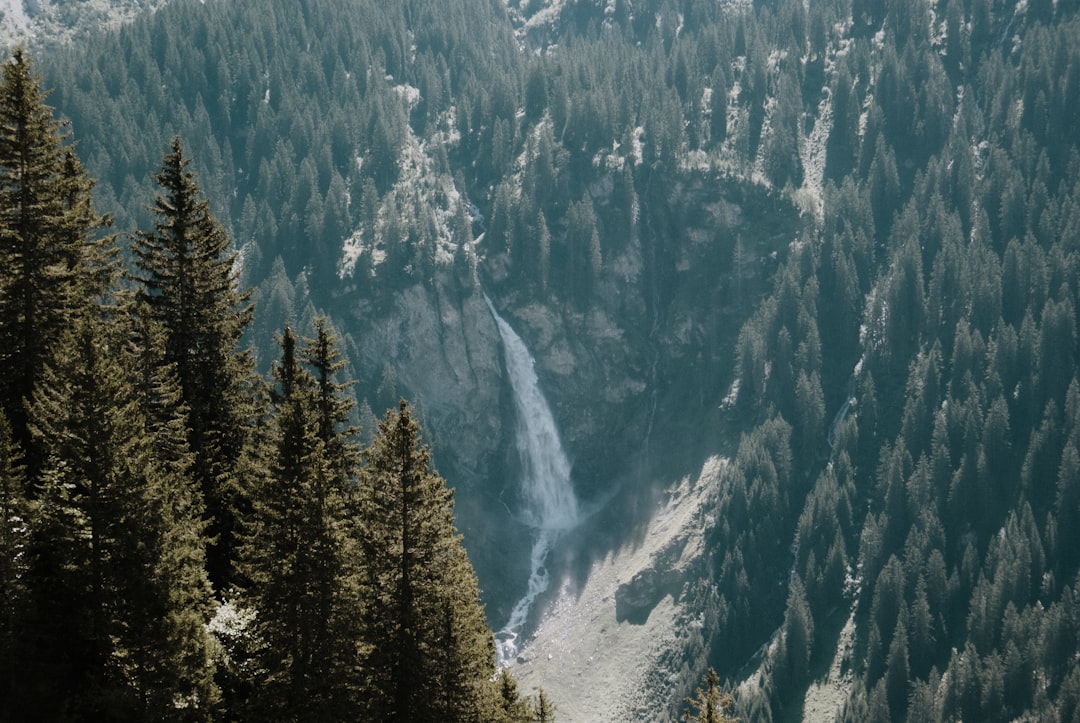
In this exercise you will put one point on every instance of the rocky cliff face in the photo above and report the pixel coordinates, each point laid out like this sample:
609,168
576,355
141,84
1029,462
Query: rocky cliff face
47,22
633,380
442,348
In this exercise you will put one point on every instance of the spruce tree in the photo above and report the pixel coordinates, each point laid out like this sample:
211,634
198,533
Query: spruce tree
179,500
118,595
511,705
334,402
14,513
711,705
187,279
298,561
96,256
50,265
543,708
428,652
155,383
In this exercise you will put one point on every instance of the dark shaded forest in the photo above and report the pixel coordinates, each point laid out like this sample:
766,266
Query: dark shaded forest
901,400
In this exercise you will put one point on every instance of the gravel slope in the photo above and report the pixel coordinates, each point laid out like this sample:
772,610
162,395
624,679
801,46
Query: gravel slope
596,667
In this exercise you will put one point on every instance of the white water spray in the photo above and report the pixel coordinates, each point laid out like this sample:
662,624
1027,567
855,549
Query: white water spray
550,505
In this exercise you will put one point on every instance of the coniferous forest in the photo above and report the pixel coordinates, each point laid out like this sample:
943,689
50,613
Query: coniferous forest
182,539
836,243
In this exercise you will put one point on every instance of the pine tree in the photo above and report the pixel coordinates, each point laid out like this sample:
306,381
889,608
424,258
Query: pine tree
179,500
297,556
50,266
187,279
14,513
96,257
156,386
711,705
897,671
543,708
798,642
118,595
428,651
512,707
334,402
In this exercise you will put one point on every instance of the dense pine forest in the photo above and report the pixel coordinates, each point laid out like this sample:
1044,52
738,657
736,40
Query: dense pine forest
833,242
183,540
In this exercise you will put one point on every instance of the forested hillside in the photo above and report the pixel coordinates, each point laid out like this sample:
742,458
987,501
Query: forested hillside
834,242
182,540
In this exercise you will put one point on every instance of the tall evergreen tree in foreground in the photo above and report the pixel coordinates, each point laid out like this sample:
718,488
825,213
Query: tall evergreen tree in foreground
187,279
333,401
114,622
298,558
127,430
429,652
14,512
51,266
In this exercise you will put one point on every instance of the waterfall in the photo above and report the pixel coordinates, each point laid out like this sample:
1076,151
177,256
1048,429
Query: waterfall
549,503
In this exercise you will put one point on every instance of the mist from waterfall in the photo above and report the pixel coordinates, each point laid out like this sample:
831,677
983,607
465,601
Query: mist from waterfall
549,503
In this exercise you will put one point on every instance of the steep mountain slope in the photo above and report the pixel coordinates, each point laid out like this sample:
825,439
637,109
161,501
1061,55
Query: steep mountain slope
833,243
433,190
606,648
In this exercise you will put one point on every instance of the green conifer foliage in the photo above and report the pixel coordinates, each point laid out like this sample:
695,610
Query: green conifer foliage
118,595
186,277
298,557
511,706
543,708
429,654
14,510
156,385
711,705
49,265
334,401
798,634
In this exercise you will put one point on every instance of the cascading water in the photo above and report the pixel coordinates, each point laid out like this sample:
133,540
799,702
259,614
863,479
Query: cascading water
550,506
